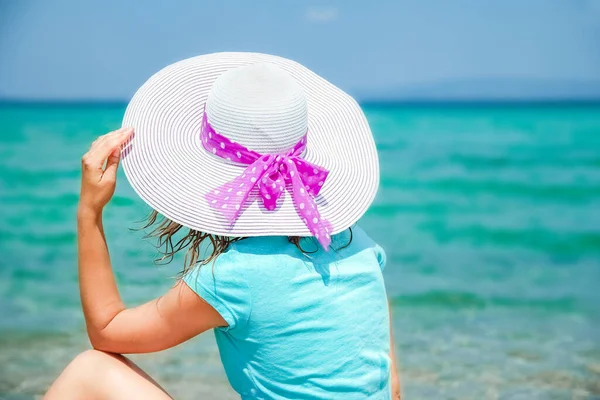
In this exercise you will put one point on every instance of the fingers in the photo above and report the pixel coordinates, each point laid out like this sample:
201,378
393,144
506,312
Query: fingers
112,165
97,144
105,145
102,138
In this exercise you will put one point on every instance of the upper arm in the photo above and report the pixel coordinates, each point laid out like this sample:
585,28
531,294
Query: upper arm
225,287
159,324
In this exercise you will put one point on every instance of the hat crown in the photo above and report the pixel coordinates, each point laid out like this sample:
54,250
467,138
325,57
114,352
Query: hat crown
259,106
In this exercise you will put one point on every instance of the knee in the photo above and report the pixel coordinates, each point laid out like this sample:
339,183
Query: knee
90,359
91,363
82,375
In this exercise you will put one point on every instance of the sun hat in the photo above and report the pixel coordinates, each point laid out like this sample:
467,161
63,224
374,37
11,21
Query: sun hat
248,144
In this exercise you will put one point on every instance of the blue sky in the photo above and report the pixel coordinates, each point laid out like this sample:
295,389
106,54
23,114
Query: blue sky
106,50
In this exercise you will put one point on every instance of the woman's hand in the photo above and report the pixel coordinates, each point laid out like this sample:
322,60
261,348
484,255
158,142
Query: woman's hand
97,179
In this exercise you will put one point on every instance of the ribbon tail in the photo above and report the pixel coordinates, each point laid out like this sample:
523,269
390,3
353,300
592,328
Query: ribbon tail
307,209
229,198
324,236
223,207
313,176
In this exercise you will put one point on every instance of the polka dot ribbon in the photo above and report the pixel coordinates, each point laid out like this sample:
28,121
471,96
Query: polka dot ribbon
271,174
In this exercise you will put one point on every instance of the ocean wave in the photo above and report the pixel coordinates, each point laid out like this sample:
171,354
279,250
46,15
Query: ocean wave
36,177
466,300
566,243
494,162
428,208
511,189
60,200
37,237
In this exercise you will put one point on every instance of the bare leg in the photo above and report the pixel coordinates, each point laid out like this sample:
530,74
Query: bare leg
96,375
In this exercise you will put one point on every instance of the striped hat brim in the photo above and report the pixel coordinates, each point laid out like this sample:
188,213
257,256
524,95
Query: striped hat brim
170,170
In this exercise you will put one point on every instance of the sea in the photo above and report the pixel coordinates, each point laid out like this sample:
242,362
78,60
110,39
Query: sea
489,214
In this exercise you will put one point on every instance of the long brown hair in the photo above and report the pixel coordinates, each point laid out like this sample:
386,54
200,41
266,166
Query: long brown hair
163,229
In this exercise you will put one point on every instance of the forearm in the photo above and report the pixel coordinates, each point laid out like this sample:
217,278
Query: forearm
100,297
393,355
396,391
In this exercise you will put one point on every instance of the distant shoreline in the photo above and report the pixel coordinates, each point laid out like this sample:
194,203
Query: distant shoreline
416,103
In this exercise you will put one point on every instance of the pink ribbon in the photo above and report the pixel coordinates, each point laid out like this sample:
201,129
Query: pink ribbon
272,174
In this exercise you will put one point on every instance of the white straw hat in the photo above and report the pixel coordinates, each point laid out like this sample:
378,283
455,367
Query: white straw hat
265,103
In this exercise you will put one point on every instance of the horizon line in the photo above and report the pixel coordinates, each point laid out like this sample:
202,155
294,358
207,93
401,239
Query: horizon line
365,101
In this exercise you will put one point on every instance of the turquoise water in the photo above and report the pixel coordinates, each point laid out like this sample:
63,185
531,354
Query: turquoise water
490,217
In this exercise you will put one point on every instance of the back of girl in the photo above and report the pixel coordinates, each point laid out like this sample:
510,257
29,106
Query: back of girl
265,168
299,327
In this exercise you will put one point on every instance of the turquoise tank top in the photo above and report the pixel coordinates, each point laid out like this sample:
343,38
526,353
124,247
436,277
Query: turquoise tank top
312,326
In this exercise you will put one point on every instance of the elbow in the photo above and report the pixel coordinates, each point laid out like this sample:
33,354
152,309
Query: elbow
101,335
101,341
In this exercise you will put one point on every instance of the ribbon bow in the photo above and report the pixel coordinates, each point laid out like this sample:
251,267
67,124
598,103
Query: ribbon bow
272,174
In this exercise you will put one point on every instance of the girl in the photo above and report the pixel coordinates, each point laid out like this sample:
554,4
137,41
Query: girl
268,167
